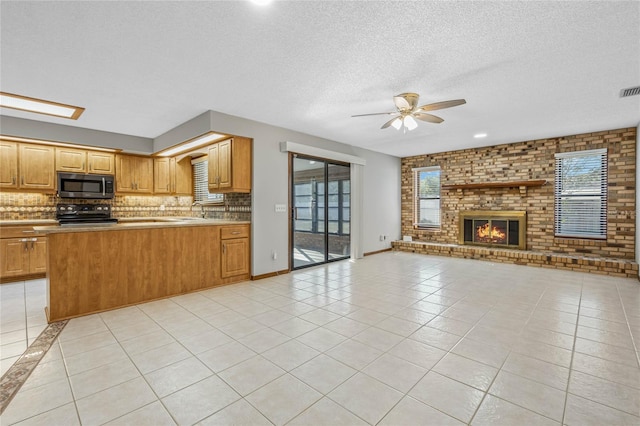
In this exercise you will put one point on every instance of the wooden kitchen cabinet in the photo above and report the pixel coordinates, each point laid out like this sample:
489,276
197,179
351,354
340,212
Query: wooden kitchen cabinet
162,175
75,160
100,162
21,253
234,248
134,174
230,165
36,167
8,164
172,177
27,166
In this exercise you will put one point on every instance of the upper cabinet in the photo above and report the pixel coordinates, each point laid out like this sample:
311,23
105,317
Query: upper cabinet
82,161
27,166
8,164
172,177
230,165
134,174
36,166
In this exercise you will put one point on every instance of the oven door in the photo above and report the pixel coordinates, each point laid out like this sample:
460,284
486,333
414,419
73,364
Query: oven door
79,185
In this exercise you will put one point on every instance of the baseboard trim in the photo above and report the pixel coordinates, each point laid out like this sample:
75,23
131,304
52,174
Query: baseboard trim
377,251
269,275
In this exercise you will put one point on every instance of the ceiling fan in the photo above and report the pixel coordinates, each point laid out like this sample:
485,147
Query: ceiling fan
408,110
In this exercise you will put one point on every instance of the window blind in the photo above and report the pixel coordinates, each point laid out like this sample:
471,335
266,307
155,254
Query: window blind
201,182
426,190
581,194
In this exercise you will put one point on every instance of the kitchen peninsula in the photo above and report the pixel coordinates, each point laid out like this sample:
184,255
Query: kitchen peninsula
96,268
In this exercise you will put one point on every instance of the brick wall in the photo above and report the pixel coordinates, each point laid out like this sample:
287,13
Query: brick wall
530,160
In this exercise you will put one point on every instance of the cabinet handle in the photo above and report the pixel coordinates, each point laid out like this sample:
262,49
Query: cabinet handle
22,180
32,243
28,232
224,248
90,168
235,232
13,180
167,187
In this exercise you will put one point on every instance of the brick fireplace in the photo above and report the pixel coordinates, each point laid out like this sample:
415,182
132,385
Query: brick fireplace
505,229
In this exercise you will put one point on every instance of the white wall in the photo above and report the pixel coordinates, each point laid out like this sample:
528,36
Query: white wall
20,127
270,230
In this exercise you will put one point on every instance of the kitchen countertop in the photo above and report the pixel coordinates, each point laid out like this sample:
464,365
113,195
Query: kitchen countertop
28,222
138,223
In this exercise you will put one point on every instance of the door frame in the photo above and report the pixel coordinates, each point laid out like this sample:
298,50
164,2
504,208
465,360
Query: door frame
292,156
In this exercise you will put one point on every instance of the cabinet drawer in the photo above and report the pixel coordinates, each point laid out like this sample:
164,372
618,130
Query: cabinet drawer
16,231
239,231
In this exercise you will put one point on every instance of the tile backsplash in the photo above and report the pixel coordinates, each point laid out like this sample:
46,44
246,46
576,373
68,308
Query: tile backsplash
23,205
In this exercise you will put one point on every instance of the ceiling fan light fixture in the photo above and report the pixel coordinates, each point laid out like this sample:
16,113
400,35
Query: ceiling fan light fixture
397,123
410,123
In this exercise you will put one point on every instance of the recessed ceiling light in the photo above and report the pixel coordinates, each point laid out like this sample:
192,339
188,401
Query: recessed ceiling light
195,143
480,135
24,103
261,2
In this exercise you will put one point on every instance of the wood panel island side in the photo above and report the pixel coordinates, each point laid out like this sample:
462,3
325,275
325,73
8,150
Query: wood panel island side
94,269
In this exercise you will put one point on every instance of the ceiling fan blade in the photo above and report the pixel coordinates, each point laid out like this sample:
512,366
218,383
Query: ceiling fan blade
428,117
442,105
388,123
402,103
375,113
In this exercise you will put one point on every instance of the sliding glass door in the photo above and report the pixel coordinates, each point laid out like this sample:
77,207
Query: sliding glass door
320,196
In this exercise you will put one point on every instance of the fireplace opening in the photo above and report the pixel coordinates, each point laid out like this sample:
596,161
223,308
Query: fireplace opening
493,228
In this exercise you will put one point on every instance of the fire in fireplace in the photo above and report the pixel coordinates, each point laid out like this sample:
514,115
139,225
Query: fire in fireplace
493,228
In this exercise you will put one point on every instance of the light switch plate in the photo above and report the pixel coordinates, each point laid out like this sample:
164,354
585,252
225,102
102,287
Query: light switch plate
281,208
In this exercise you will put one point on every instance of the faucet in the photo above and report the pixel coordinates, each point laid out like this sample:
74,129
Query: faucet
202,212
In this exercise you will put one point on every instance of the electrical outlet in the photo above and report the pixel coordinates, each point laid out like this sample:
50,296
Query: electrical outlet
381,237
280,208
274,255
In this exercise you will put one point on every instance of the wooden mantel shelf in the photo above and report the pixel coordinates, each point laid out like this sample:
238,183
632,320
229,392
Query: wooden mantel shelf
487,185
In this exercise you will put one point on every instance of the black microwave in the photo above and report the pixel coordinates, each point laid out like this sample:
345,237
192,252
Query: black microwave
81,185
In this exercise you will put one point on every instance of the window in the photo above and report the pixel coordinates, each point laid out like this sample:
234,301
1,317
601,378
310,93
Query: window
427,197
581,194
201,183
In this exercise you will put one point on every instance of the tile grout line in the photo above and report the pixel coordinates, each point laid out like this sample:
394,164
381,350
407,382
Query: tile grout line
626,317
573,351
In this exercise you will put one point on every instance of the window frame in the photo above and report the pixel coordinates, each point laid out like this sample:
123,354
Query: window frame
564,197
416,197
202,179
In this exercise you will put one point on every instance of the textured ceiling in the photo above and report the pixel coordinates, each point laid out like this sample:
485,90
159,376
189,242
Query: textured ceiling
527,69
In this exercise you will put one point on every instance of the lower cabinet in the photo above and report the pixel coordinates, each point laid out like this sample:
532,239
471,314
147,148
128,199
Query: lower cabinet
234,249
23,257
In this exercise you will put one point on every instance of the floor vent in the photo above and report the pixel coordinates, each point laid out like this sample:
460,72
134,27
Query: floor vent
632,91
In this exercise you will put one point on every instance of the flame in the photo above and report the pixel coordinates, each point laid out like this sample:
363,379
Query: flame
486,232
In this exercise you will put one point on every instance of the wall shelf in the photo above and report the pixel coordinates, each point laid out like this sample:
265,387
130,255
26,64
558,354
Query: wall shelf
487,185
522,184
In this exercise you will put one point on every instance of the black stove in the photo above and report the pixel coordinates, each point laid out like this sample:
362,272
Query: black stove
83,214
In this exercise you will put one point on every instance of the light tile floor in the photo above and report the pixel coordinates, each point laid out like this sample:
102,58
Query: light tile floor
22,318
392,339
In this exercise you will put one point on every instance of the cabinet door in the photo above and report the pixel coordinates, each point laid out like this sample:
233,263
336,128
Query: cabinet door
183,177
162,175
224,164
14,257
235,257
38,255
8,164
100,162
37,167
144,175
125,177
213,166
71,160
